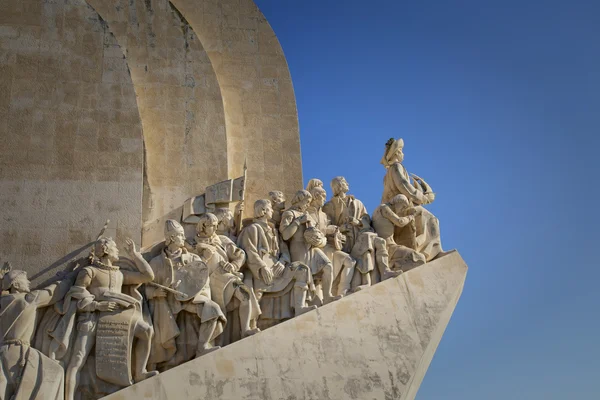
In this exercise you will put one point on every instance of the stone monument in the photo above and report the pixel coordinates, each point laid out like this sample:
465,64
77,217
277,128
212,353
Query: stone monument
176,121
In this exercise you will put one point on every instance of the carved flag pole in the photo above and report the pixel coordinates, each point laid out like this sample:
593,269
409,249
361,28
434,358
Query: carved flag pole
238,222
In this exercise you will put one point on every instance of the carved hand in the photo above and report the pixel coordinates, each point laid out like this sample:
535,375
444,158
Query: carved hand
353,221
227,267
279,268
239,207
411,212
303,219
160,292
106,306
130,247
266,275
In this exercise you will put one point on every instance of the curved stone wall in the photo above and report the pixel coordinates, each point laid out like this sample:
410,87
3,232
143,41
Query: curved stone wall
123,109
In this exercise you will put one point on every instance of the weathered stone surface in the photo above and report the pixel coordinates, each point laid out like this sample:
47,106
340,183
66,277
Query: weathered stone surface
72,152
124,109
374,344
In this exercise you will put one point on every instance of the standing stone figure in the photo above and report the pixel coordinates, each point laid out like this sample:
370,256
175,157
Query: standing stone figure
26,373
269,261
304,241
418,192
224,260
343,264
185,324
344,211
97,293
386,218
278,203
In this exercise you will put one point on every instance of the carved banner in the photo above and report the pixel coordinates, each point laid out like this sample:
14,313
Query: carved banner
219,192
114,340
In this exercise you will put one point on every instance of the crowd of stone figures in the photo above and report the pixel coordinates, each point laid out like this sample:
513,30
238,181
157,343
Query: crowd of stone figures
114,321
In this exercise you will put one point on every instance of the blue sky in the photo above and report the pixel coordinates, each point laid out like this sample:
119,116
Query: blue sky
499,106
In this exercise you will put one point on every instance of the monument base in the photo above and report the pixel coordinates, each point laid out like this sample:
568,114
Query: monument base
374,344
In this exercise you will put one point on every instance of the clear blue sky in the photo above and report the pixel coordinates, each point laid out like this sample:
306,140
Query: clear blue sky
499,106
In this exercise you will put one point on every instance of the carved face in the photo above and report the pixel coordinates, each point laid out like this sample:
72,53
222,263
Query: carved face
344,187
399,155
178,239
303,204
22,284
209,228
319,200
111,250
225,224
278,201
269,211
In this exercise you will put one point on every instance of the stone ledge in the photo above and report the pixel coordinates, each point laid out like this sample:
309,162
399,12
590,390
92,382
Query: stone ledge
374,344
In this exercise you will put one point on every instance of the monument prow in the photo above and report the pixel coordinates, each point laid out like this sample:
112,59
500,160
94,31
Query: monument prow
374,344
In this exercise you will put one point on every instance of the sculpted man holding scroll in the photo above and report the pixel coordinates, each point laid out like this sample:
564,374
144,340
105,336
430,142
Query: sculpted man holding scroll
101,315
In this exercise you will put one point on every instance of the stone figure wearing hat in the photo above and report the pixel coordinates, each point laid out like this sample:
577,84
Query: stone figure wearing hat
26,373
185,324
97,292
398,181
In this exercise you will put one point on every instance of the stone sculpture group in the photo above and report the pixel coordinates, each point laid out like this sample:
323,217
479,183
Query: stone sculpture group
114,321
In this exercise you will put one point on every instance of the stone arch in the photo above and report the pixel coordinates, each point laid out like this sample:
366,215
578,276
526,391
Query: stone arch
258,95
180,106
72,139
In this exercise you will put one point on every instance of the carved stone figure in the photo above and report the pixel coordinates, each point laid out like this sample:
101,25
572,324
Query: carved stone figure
313,183
398,214
370,252
278,203
418,192
228,225
271,270
26,373
224,260
343,264
344,211
186,320
103,316
305,242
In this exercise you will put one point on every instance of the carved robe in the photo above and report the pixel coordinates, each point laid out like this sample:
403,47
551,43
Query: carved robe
385,222
25,372
263,247
167,324
427,226
341,261
300,250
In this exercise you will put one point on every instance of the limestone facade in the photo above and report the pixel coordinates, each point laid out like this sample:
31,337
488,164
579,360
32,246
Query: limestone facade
123,109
